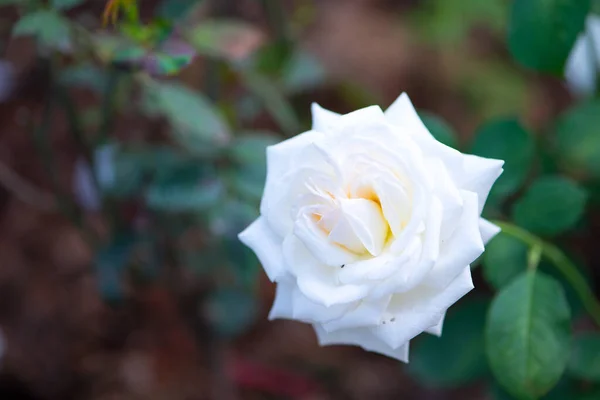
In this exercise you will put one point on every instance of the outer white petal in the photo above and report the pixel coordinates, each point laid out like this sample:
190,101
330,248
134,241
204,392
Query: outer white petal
376,268
461,249
593,30
583,63
323,119
365,313
420,309
283,305
488,230
281,159
306,310
479,176
580,70
361,337
449,195
402,113
469,172
437,328
267,246
282,193
368,116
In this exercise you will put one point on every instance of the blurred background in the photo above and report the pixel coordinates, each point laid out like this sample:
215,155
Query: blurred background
132,153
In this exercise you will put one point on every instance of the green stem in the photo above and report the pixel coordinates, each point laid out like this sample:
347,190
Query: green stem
533,257
277,19
42,143
76,128
562,263
108,107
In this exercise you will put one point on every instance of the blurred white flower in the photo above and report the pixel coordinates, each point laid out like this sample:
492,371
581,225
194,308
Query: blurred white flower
2,346
583,65
84,187
368,225
7,80
86,191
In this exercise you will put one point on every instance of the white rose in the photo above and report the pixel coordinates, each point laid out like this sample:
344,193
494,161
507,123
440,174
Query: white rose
583,64
368,225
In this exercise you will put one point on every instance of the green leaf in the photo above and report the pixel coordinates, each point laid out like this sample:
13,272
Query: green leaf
166,64
578,138
65,4
231,217
274,101
248,152
564,390
542,33
439,129
188,111
449,21
175,10
110,264
272,58
577,308
594,395
190,188
506,139
124,172
226,39
249,148
492,88
85,75
505,258
457,357
528,335
302,72
49,27
231,311
585,357
551,205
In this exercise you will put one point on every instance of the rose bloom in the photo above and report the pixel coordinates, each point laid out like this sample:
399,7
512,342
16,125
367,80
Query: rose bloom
583,65
368,225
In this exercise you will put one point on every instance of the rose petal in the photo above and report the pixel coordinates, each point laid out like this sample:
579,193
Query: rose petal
402,113
488,230
449,195
365,313
437,328
283,306
410,274
317,281
281,198
479,176
307,310
267,246
317,241
281,159
367,223
361,337
420,309
469,172
584,61
461,249
323,119
372,115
